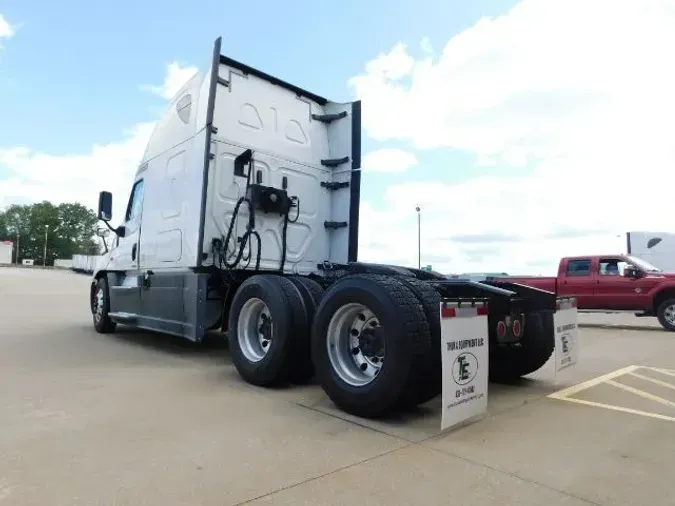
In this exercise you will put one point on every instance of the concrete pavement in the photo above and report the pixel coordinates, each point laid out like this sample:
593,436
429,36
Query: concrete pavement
143,419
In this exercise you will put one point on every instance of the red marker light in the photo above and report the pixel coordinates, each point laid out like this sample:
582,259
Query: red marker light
516,328
501,329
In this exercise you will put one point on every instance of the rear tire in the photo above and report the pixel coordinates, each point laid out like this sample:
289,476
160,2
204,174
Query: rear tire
314,288
370,344
311,293
666,314
100,307
431,382
509,363
266,326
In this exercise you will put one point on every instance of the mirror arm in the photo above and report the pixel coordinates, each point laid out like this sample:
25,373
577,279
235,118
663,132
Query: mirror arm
111,229
105,244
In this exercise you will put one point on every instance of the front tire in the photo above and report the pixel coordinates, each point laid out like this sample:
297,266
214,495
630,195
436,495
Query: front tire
100,307
666,314
370,344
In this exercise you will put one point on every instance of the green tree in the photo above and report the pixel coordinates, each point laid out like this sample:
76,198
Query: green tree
68,229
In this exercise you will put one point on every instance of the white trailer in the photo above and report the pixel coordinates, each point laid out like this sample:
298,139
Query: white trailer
85,263
657,248
244,217
6,252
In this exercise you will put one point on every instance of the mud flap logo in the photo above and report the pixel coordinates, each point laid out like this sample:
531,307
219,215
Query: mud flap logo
465,368
566,343
566,338
464,350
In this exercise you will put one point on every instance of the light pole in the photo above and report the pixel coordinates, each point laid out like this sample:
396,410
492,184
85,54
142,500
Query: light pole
17,245
44,255
419,237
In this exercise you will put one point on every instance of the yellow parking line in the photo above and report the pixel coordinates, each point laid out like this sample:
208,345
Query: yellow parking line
667,372
641,393
653,380
618,408
575,389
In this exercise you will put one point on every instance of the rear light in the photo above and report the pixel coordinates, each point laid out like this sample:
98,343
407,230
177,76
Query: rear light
501,329
516,328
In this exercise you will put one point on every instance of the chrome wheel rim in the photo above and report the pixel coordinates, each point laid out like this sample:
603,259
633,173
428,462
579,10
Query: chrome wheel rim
98,305
255,330
669,314
356,347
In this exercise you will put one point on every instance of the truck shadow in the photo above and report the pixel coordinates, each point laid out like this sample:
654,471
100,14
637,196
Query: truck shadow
213,346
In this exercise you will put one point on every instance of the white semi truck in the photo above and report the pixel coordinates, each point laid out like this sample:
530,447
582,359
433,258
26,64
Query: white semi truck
244,218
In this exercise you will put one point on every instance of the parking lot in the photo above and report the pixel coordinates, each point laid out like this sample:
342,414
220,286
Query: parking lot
143,419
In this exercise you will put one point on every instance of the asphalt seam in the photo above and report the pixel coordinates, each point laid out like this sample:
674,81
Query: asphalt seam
618,326
358,424
513,475
409,444
328,473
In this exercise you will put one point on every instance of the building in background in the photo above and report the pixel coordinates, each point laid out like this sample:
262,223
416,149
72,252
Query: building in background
657,248
6,252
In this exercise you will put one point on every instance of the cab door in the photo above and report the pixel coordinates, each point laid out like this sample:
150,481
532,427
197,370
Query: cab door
577,280
126,296
613,290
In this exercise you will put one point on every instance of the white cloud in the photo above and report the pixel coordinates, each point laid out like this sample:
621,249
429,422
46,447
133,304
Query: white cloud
36,176
176,76
390,160
7,30
75,178
579,91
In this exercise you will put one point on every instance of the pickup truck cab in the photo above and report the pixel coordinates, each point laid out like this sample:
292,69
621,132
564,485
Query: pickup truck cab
612,282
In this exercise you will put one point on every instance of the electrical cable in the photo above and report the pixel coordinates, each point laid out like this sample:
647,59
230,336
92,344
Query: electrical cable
284,231
251,232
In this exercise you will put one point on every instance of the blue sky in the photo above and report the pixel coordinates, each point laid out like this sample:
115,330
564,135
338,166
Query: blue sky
511,124
95,57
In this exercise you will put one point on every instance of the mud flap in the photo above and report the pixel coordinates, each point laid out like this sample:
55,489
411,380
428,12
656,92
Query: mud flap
465,355
566,335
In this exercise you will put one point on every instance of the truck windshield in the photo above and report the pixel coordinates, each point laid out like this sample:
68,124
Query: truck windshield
645,266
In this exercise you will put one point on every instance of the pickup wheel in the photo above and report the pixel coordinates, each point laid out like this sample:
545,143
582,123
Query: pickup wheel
100,307
267,326
370,344
666,314
509,363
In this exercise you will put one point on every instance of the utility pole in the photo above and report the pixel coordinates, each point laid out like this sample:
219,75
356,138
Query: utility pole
44,255
419,237
17,246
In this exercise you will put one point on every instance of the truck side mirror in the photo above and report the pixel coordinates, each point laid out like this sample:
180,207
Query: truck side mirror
102,232
632,272
105,206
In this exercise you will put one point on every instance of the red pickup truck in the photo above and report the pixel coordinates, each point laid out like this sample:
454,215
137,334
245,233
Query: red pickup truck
612,282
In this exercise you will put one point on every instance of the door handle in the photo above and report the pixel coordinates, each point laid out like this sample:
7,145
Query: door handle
133,251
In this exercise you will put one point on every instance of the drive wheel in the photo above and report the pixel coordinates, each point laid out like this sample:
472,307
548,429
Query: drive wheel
266,325
431,382
100,307
370,344
311,293
666,314
536,346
